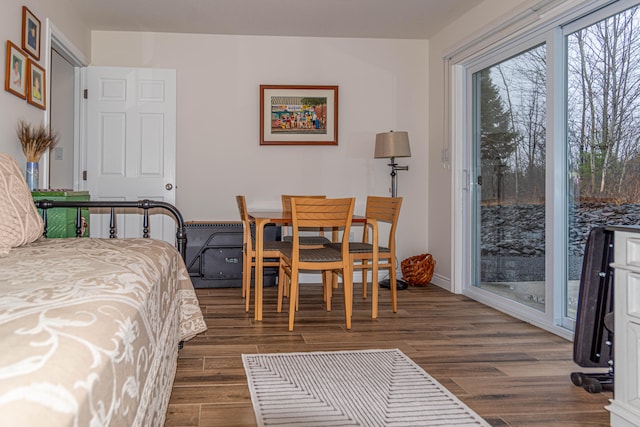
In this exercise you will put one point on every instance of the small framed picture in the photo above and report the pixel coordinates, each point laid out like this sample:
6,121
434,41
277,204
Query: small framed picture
37,91
16,77
30,33
298,115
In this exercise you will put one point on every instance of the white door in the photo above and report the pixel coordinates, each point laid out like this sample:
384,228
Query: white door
131,144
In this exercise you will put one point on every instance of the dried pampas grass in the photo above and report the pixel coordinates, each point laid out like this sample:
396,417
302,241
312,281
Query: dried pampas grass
35,141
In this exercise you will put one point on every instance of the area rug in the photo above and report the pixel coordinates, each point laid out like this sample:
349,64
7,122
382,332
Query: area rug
350,388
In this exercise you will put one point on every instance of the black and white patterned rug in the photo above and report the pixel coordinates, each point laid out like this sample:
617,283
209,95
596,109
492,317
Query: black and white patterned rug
350,388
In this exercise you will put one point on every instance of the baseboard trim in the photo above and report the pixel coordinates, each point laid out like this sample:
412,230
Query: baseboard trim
441,281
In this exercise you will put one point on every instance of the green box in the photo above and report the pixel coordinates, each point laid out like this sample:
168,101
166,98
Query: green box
61,222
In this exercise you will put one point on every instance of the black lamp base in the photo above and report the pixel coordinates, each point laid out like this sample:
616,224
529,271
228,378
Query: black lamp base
400,284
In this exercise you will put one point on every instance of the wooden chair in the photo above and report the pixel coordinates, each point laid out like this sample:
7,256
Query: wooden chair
307,240
272,250
315,212
367,255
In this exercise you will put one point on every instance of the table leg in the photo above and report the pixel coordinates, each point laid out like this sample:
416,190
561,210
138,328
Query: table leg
259,267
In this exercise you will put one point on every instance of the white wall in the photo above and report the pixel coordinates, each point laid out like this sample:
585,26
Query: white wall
12,108
382,86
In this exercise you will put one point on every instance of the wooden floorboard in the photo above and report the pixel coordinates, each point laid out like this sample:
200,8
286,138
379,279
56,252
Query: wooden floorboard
508,371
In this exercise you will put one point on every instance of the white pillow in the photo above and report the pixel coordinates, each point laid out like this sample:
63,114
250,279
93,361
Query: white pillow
20,223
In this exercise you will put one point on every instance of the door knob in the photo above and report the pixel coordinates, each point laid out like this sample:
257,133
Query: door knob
169,187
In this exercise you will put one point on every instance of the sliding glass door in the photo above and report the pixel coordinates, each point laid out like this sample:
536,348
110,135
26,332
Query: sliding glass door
509,159
554,151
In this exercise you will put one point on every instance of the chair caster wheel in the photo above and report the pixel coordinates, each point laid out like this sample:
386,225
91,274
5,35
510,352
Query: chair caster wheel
591,385
577,378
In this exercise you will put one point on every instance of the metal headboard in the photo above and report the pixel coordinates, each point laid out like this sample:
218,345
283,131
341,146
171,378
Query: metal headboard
145,205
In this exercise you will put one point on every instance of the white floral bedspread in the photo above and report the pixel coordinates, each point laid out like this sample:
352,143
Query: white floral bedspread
89,331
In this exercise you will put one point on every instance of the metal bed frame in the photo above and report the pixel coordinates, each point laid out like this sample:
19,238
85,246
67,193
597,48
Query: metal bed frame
145,205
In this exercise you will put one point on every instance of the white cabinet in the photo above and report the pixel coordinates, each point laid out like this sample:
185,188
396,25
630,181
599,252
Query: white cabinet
625,405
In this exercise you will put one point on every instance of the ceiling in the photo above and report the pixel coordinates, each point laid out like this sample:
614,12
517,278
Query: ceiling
395,19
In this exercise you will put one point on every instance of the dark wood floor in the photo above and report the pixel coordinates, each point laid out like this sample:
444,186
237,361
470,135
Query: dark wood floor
510,372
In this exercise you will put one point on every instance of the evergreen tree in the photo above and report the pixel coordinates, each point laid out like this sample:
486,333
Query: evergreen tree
497,140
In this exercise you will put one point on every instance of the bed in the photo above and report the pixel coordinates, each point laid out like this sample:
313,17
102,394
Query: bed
90,328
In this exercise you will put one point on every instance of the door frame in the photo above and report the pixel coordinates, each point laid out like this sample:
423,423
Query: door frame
55,39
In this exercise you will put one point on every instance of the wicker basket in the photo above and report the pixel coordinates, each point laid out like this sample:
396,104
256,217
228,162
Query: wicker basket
418,270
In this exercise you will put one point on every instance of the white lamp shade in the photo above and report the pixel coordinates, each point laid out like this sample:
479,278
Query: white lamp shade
392,144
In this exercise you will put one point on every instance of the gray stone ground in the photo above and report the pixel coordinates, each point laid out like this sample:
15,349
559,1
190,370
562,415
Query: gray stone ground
521,268
513,239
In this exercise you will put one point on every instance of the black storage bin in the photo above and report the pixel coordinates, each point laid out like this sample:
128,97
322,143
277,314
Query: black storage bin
214,254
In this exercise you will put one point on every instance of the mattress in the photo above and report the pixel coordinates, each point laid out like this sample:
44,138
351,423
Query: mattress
90,329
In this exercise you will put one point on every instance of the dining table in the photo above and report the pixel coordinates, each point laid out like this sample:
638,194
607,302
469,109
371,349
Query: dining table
279,217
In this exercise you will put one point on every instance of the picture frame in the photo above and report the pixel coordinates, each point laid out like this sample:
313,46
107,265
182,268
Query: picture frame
30,33
16,77
298,115
37,93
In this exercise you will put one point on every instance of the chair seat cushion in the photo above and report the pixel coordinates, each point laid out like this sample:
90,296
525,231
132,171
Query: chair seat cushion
325,254
358,247
309,240
271,245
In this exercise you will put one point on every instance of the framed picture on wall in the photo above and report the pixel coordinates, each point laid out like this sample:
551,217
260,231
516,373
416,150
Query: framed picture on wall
37,91
30,33
16,71
298,115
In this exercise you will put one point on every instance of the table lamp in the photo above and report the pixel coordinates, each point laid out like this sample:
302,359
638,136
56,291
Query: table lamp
390,145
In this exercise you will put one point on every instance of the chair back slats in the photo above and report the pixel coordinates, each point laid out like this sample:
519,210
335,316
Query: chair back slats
309,212
307,239
385,209
286,200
